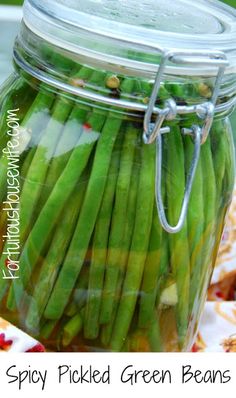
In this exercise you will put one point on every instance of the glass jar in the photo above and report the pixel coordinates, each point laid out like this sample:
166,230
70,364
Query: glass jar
117,170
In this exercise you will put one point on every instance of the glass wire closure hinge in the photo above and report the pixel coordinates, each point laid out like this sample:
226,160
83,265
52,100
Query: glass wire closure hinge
153,130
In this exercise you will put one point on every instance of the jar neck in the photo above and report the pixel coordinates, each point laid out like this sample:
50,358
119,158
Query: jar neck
105,83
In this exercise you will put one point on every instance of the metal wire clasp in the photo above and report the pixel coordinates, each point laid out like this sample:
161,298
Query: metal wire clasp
153,130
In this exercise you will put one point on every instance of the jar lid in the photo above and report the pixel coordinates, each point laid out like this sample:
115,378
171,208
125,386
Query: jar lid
133,34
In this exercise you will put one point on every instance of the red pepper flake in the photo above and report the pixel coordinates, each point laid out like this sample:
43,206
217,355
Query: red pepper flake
4,344
219,294
37,348
87,126
194,348
13,266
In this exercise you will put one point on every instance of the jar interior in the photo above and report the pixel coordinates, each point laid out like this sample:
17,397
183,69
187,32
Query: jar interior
95,271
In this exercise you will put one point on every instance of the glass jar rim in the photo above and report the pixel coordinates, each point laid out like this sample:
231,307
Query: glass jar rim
94,29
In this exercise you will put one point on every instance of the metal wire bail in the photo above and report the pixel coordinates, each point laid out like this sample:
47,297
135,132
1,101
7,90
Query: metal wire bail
205,112
197,133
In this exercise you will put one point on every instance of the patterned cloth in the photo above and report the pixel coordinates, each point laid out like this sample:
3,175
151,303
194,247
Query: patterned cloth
14,340
218,326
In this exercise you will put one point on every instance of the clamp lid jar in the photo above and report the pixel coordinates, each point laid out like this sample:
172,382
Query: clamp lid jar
124,170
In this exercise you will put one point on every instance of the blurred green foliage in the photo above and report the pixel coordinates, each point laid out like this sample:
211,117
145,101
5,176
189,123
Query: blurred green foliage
12,2
232,3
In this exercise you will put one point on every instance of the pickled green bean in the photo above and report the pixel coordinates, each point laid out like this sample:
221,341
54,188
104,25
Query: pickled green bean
82,235
119,215
71,329
50,268
129,227
179,246
79,244
210,212
151,273
50,213
99,248
139,248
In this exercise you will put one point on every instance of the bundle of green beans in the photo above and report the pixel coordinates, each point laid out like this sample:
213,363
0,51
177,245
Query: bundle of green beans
96,269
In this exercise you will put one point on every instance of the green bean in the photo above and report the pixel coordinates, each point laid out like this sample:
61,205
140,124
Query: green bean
229,177
210,211
38,168
142,88
46,150
179,249
47,329
41,105
219,154
151,273
195,219
51,264
129,227
80,293
71,133
9,101
96,77
58,61
156,262
31,121
164,271
34,123
176,90
154,333
50,213
71,329
195,216
27,161
139,248
79,245
137,341
164,267
116,238
99,255
227,161
222,155
71,309
99,249
38,115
